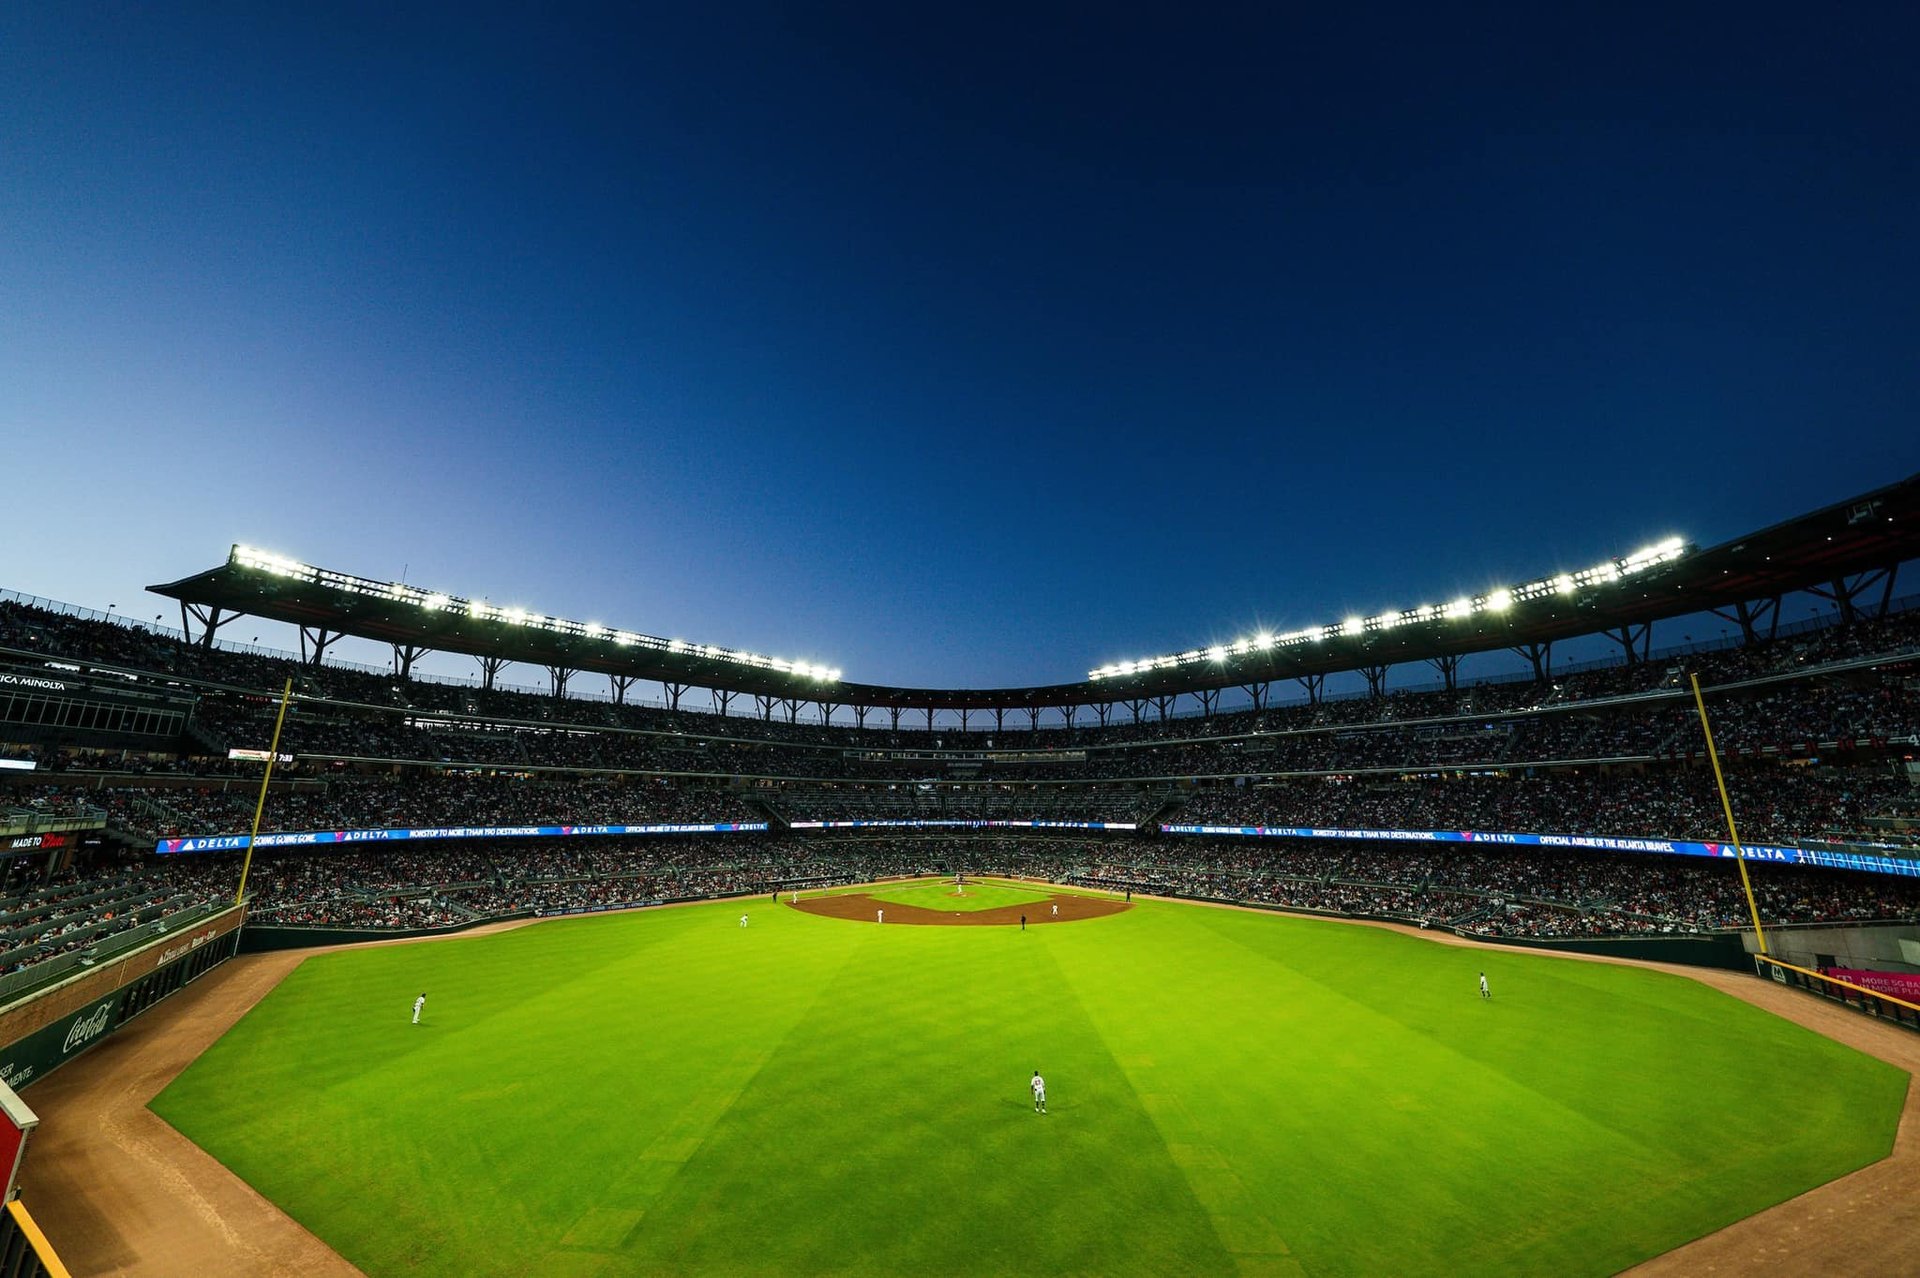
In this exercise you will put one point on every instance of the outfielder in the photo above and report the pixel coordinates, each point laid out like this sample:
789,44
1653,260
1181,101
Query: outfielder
418,1003
1484,991
1039,1086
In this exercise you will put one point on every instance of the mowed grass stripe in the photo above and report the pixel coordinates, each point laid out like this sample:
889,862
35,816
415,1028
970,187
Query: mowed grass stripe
495,1137
893,1132
667,1092
1483,1138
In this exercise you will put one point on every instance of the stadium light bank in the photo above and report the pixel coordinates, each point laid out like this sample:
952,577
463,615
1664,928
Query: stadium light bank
1497,600
433,601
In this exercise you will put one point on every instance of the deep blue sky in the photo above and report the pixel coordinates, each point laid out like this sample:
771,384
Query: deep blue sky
949,346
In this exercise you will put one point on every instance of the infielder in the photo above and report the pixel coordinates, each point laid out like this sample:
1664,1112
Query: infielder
418,1003
1039,1086
879,916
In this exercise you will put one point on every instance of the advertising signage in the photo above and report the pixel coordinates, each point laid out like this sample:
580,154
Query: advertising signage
320,838
1597,842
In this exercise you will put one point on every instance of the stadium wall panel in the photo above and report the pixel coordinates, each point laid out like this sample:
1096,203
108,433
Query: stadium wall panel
45,1030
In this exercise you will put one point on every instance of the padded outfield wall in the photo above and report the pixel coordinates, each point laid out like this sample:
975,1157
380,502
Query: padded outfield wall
45,1029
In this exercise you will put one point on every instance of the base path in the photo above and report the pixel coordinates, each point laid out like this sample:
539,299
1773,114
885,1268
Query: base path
863,908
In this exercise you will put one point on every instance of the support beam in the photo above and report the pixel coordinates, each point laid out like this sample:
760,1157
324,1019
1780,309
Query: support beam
1540,655
557,677
963,718
1033,718
1103,711
1449,668
1635,641
1314,684
765,705
1208,699
1376,677
723,698
621,685
490,668
792,706
1068,714
1164,704
999,718
895,712
1135,706
1847,592
314,642
404,655
860,714
1261,693
673,691
826,711
929,718
210,620
1749,616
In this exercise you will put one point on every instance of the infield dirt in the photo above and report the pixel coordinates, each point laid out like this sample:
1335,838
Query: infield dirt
860,907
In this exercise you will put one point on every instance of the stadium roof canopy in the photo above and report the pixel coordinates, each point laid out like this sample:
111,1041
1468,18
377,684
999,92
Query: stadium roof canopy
1848,551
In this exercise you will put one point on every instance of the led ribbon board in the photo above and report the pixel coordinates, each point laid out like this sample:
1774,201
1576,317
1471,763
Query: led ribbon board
1598,842
318,838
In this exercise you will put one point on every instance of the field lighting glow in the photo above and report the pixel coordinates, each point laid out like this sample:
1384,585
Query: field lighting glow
1494,602
258,560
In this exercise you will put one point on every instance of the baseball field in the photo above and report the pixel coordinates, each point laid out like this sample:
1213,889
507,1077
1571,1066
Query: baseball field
666,1091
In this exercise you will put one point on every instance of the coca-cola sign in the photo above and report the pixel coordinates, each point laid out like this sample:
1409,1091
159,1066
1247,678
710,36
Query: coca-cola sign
87,1027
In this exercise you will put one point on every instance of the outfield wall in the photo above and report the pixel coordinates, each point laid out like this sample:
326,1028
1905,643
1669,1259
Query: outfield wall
45,1030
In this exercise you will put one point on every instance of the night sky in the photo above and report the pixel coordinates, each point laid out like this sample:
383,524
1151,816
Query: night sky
949,346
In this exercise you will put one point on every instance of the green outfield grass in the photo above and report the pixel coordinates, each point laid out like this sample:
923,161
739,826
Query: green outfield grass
940,896
667,1092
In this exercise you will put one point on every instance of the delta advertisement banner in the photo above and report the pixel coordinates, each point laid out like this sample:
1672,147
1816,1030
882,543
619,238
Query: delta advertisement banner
1901,985
1597,842
964,825
319,838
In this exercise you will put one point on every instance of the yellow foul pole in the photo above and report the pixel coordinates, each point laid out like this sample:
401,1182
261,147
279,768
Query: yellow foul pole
273,752
1726,806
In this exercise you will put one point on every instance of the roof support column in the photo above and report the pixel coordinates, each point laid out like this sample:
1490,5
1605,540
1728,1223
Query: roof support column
999,718
1315,685
929,718
723,698
860,715
557,677
210,622
1260,692
1208,699
1376,677
792,706
1135,706
1449,668
766,704
826,711
490,668
673,691
314,642
404,655
1068,714
1103,711
1539,654
895,712
1033,719
1749,616
619,685
1630,637
963,718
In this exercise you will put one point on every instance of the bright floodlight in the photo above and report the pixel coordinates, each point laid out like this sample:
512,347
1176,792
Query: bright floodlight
1501,600
257,560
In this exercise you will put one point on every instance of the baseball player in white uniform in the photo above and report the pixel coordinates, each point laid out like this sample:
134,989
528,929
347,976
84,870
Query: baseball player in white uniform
418,1003
743,920
1039,1086
1484,991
